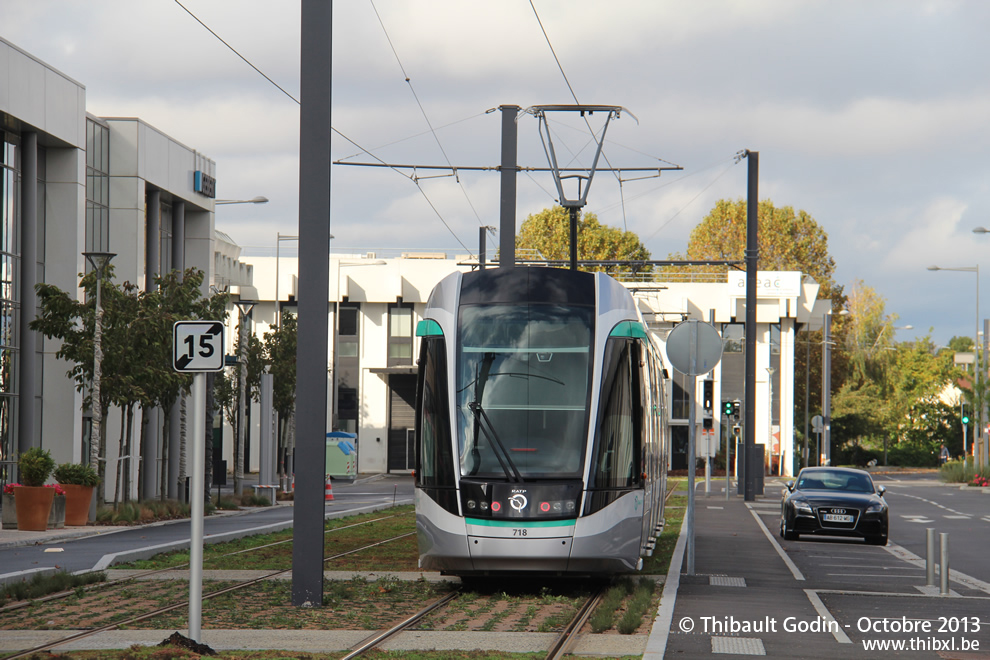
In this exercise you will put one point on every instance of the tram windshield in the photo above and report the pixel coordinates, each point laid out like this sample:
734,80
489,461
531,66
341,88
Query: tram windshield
522,390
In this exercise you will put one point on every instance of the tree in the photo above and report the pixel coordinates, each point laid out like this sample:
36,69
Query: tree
280,356
787,240
548,233
138,334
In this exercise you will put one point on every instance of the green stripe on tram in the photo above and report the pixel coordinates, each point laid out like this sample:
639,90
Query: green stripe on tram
520,523
428,328
633,329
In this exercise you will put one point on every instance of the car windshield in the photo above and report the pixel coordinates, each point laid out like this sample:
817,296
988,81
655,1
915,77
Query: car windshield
835,480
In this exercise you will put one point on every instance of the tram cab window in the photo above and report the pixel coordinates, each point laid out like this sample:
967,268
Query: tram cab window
523,374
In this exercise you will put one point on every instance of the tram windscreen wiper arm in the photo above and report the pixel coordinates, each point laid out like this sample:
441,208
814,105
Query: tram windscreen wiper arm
510,469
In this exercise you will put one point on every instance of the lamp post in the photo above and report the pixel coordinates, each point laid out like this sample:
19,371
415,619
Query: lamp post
245,306
99,261
256,200
278,302
979,367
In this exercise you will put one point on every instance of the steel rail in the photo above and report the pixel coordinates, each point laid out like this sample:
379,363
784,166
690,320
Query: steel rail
185,603
178,567
565,640
399,627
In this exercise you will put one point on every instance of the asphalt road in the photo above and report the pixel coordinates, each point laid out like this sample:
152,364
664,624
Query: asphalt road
102,550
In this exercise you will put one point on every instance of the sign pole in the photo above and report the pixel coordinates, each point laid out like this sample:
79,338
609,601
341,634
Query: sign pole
693,348
197,348
197,483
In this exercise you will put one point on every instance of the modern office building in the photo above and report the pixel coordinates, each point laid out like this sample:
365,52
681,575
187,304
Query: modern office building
72,183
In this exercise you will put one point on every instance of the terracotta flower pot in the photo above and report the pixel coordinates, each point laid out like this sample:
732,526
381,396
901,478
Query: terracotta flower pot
33,504
77,502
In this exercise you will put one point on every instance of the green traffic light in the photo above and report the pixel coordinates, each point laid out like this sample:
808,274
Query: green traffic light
965,419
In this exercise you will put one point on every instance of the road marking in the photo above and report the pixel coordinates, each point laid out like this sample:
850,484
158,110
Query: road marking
795,571
656,643
908,556
823,612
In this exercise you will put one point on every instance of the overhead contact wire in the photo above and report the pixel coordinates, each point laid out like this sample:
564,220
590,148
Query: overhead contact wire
429,124
574,96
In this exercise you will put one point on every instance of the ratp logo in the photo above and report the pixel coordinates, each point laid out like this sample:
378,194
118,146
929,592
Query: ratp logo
518,501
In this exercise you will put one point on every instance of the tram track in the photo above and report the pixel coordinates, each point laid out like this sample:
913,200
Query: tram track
185,603
159,571
558,649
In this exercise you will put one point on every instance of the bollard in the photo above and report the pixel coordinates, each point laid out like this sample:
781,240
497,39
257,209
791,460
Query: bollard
930,560
943,568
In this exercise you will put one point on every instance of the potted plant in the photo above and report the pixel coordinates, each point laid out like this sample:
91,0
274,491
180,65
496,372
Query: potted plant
32,500
79,481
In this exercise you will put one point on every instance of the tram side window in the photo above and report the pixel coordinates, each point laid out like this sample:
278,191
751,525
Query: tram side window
617,441
435,459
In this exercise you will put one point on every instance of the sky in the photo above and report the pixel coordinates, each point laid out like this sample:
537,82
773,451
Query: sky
871,116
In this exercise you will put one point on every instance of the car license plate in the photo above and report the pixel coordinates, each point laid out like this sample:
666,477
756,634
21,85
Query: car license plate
837,517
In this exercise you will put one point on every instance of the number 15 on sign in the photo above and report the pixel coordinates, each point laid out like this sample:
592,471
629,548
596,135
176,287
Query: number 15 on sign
197,346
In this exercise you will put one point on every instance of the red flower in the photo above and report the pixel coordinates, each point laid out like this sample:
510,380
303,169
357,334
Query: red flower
58,488
9,489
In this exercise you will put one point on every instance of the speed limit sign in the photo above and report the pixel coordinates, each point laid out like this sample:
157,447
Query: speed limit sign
197,346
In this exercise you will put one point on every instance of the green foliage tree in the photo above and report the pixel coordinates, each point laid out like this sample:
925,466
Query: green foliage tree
280,356
548,232
137,336
788,240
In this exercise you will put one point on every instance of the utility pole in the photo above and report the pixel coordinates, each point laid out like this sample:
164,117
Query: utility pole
749,462
507,197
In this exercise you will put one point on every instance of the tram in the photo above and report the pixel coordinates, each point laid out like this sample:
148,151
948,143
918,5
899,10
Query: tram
541,426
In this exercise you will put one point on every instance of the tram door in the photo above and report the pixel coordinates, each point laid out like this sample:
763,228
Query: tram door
402,422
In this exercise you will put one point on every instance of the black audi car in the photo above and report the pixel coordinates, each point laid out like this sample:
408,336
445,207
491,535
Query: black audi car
833,501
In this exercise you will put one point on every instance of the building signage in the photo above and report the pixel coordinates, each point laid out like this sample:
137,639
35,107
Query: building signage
204,184
769,284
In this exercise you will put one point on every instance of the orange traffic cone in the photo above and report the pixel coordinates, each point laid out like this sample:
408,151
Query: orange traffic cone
328,491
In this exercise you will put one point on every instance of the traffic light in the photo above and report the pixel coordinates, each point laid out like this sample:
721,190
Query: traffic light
962,411
727,408
735,408
708,396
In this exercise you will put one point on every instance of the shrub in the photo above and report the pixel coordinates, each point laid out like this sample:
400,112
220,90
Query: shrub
77,474
228,503
959,472
35,466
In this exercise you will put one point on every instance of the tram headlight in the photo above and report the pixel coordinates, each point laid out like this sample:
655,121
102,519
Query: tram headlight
484,506
569,505
472,505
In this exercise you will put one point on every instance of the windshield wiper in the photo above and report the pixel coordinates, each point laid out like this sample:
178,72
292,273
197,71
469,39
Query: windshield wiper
510,469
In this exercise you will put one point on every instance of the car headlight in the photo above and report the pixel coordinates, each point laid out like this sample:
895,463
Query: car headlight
876,507
802,507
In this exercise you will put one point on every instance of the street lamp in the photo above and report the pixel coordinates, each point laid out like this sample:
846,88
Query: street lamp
978,365
257,200
99,261
245,306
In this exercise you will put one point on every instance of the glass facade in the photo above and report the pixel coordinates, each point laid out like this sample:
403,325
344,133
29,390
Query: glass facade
9,299
97,187
400,332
